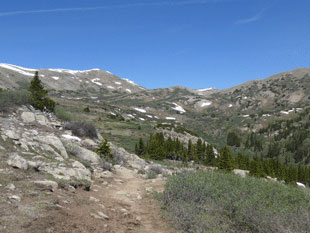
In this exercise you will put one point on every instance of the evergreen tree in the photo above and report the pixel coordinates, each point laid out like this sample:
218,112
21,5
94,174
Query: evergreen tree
103,150
39,95
199,150
225,160
141,147
210,156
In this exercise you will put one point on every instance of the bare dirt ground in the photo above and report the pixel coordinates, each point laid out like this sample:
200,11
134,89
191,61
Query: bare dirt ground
121,203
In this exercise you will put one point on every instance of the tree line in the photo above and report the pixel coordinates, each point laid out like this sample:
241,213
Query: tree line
159,148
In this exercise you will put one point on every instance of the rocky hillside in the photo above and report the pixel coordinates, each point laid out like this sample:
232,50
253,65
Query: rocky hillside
125,111
48,174
94,81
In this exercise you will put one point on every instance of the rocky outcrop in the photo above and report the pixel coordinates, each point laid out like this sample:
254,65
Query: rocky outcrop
130,159
54,141
28,117
80,152
17,161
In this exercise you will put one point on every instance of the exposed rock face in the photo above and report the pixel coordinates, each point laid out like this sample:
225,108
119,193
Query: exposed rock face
80,152
28,117
56,142
65,172
131,159
18,162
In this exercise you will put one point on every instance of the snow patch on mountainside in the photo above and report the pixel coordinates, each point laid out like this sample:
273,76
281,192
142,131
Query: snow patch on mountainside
140,110
14,68
206,89
95,81
178,108
131,82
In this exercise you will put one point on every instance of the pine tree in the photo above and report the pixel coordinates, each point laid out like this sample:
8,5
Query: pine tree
103,150
141,147
199,150
210,156
225,160
39,95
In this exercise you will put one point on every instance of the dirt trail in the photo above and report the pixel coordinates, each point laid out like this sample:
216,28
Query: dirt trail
120,204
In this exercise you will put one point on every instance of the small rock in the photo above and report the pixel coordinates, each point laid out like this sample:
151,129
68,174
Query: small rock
47,185
148,189
71,189
123,210
102,215
17,161
102,206
139,197
15,197
11,187
94,199
117,166
121,193
119,181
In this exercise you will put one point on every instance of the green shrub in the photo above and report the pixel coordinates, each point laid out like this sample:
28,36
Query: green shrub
62,114
220,202
10,99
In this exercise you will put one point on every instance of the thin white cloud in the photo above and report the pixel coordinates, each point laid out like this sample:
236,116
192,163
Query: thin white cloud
253,18
141,4
249,20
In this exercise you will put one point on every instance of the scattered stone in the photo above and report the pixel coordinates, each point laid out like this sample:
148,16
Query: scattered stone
102,206
138,219
94,199
47,185
119,181
123,210
11,187
15,197
2,148
139,197
121,193
17,161
103,215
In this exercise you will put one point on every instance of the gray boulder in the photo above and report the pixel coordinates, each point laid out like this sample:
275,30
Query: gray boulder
17,161
46,185
80,152
28,117
56,142
130,159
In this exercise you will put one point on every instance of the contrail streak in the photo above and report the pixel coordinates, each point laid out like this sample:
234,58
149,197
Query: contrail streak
179,3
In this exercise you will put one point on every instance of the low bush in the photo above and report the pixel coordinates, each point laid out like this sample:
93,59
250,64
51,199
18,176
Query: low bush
62,114
219,202
81,129
10,99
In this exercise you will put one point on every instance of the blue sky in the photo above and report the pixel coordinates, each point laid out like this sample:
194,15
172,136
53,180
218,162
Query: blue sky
159,43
